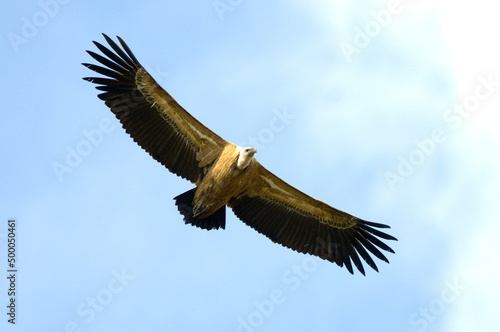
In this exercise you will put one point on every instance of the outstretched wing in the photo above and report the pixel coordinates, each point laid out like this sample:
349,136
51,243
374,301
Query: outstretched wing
151,116
307,225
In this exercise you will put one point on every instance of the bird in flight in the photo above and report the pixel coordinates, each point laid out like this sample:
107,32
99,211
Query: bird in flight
225,174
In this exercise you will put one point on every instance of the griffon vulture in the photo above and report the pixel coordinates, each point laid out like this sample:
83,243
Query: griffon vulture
226,174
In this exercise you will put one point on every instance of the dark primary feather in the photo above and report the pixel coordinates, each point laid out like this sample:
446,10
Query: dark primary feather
304,233
148,124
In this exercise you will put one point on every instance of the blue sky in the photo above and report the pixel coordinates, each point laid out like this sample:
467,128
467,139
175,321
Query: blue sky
386,110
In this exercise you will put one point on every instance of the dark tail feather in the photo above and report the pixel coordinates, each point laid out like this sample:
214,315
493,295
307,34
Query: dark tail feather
184,204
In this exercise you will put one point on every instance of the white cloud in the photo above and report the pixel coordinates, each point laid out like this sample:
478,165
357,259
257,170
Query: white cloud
471,32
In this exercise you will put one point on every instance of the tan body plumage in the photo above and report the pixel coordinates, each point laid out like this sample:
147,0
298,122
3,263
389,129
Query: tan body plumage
223,181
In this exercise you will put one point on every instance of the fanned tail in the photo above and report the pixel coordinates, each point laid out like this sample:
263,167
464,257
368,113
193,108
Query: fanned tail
184,204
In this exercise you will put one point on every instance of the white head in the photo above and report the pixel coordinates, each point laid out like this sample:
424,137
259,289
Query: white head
246,155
